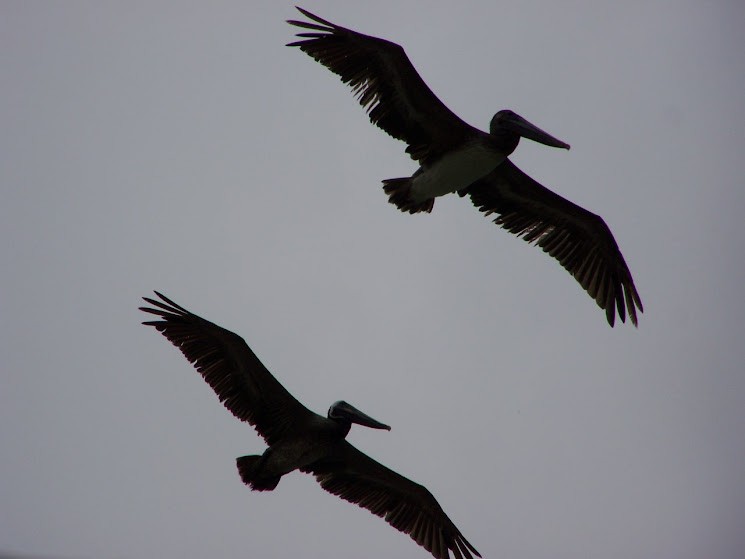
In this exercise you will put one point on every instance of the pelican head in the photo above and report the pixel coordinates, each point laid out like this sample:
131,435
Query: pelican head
510,122
347,414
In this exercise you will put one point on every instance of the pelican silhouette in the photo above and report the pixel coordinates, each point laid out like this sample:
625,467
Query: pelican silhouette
456,157
300,439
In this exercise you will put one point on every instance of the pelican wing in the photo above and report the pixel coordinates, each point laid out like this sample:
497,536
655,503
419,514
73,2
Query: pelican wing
386,84
229,366
578,239
405,505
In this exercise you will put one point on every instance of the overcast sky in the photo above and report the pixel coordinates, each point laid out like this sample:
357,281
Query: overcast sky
182,147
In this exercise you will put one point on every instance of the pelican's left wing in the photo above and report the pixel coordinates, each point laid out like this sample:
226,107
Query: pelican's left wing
580,240
404,504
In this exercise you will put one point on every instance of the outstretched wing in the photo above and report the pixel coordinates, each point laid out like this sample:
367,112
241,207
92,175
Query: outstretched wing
578,239
387,84
405,505
229,366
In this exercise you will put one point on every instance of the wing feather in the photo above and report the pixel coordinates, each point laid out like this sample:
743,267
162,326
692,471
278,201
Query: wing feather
386,83
404,504
229,366
580,240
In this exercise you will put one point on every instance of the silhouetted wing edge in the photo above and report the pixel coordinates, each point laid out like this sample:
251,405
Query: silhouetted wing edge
578,239
404,504
386,83
242,383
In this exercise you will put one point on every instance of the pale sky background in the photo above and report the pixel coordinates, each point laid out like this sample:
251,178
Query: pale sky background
182,147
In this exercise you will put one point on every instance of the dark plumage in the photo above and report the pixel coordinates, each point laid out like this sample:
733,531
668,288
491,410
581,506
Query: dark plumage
301,439
456,157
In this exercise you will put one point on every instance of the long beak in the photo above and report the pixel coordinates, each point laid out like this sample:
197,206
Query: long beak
518,124
356,416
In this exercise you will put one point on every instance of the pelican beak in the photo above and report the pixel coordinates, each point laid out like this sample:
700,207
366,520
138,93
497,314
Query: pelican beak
349,412
519,125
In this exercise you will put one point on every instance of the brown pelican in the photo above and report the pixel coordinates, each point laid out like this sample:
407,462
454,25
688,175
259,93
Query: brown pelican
299,439
456,157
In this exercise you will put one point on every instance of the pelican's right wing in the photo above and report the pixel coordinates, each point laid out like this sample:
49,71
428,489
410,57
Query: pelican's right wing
229,366
404,504
386,83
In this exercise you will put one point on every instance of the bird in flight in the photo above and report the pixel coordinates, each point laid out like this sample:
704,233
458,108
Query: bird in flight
456,157
300,439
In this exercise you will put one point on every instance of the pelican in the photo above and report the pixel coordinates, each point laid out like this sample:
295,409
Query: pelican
300,439
456,157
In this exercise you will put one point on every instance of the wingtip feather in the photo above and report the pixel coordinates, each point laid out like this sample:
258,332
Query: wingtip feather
314,17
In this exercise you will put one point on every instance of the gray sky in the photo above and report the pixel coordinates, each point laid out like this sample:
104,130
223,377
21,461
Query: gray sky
182,147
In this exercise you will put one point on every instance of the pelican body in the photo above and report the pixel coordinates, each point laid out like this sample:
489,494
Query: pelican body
461,165
313,441
454,156
300,439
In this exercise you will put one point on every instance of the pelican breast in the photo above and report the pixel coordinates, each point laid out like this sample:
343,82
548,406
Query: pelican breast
455,170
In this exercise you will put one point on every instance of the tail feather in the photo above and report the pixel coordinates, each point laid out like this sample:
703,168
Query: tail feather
248,470
399,194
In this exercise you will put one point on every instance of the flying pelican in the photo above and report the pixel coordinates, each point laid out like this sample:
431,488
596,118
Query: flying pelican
299,439
456,157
